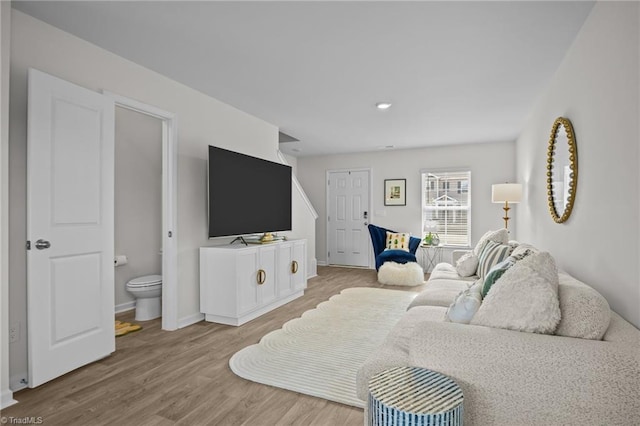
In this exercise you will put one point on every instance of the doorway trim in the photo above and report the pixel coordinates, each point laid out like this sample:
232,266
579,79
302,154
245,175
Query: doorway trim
326,202
169,205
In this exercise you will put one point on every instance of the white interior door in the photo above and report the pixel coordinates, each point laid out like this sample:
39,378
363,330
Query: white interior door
347,218
70,295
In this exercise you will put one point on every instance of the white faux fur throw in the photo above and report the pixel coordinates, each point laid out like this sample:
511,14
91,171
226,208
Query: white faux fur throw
525,298
405,274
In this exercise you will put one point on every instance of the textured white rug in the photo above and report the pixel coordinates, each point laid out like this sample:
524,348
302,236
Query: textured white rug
319,353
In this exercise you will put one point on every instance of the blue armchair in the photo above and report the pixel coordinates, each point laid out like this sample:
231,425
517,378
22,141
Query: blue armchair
379,238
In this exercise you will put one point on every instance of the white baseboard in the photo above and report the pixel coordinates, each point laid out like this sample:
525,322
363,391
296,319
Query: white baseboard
321,263
313,269
124,307
18,381
6,399
189,320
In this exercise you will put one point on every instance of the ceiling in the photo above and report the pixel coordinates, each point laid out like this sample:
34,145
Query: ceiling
455,72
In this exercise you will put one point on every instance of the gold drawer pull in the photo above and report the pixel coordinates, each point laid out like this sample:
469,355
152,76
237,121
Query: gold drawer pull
294,267
262,276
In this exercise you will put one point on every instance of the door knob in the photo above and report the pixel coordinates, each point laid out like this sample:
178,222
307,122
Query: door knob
42,244
366,223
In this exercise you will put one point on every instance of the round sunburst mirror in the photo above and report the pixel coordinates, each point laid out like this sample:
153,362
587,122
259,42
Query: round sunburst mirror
562,170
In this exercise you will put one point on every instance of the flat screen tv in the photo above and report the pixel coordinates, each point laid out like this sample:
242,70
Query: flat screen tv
247,195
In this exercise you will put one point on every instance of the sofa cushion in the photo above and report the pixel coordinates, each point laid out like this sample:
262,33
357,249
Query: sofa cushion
492,254
397,241
466,304
523,250
439,293
585,312
525,298
445,271
467,265
500,236
495,273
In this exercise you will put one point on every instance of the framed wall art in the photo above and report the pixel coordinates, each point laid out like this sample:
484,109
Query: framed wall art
395,192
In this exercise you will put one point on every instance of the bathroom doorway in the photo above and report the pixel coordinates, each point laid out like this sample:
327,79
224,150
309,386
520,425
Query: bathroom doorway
146,157
137,208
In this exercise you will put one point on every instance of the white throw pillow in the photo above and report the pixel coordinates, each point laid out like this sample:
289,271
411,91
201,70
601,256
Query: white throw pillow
500,236
467,265
525,298
466,304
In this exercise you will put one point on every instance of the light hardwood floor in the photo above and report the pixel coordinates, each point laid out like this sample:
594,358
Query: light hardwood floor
182,377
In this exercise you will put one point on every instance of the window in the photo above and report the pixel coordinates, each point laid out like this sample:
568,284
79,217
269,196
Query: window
448,204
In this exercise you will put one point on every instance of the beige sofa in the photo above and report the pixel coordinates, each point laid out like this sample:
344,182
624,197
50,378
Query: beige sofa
518,378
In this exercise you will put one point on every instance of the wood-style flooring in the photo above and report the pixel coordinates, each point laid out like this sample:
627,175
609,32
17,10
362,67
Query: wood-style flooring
182,377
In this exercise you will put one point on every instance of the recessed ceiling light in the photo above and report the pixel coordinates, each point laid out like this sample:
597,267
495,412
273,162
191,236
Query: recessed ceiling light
383,105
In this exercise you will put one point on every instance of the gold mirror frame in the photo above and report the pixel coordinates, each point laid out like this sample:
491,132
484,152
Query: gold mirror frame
573,164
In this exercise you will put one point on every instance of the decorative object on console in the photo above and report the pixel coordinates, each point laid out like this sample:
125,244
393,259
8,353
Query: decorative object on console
562,170
395,192
506,193
378,239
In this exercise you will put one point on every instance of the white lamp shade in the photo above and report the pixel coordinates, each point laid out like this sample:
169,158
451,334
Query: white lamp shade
431,226
511,192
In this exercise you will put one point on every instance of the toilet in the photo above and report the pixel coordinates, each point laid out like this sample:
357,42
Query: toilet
148,293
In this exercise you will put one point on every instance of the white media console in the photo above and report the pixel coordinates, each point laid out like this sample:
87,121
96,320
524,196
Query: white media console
239,283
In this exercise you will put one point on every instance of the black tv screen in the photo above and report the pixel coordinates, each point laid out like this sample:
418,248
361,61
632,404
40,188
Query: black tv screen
247,195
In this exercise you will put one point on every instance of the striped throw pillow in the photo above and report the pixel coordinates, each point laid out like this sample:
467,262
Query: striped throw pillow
492,254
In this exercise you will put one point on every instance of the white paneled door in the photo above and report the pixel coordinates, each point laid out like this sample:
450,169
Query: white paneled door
347,218
70,295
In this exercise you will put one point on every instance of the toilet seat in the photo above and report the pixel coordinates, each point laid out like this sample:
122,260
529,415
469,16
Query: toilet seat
146,281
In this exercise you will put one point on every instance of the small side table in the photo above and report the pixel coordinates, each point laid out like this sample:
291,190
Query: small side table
411,396
430,256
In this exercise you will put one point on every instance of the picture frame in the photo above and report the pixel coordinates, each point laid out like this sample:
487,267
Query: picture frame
395,192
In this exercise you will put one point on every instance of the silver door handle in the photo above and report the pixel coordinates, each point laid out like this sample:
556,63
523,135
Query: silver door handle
42,244
366,223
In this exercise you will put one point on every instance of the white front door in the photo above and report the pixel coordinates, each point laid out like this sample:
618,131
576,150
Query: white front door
347,218
70,293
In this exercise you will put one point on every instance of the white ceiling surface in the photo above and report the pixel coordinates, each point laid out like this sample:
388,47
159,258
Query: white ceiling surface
456,72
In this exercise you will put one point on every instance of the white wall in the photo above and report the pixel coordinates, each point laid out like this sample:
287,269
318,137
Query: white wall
489,163
597,88
202,120
6,396
138,199
293,162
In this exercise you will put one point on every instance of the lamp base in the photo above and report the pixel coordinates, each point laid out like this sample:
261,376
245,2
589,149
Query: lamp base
506,209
